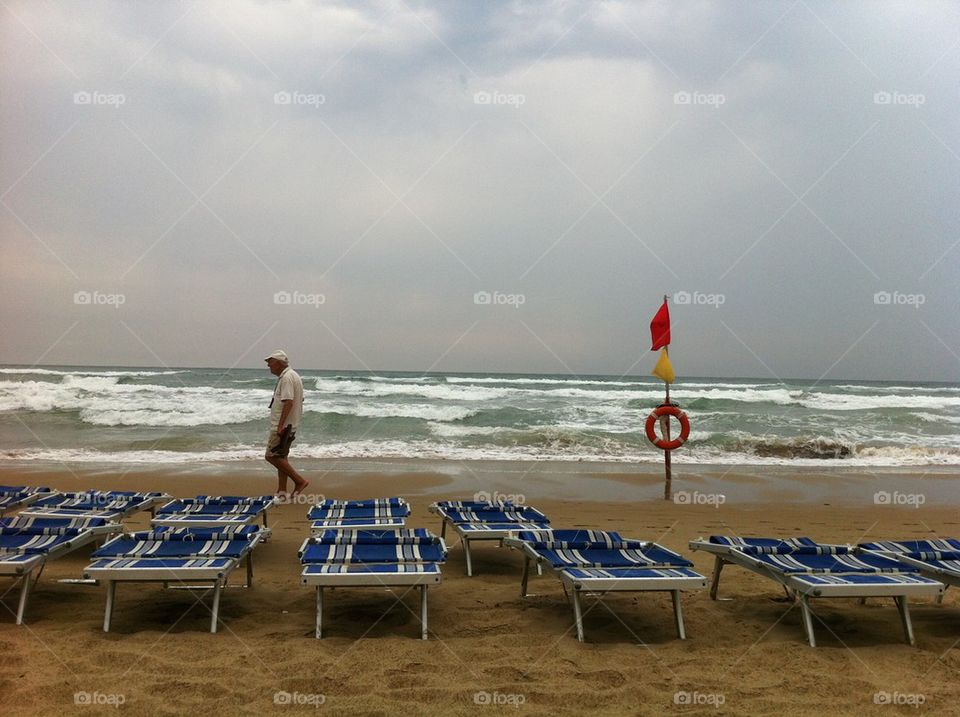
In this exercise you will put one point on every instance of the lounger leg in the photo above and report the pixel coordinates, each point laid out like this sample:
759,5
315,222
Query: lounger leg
940,597
678,614
807,620
250,569
466,552
423,612
525,576
24,594
318,629
443,529
108,613
715,582
216,607
578,614
905,618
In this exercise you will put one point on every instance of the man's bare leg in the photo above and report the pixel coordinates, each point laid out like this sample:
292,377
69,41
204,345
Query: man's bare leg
299,482
284,471
281,483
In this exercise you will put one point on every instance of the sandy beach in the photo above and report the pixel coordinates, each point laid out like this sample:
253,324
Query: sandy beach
745,653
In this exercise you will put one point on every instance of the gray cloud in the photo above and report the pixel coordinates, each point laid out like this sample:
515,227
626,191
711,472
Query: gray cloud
586,184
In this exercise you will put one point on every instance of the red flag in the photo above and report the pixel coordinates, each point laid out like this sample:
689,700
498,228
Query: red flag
660,328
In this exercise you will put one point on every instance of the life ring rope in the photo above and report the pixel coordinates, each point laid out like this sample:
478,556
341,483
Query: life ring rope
667,410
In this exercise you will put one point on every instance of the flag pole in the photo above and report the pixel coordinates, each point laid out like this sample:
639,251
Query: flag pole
665,429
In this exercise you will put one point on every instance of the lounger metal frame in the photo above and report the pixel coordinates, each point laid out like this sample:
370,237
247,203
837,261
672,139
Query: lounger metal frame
219,574
23,570
423,580
601,586
466,536
801,590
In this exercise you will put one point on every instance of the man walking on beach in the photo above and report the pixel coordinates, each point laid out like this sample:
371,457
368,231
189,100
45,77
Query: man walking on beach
286,409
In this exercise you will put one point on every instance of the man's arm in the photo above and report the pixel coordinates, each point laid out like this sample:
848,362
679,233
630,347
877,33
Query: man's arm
284,412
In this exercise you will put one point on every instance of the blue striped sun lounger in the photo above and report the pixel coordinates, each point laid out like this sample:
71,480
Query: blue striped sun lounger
600,562
371,513
111,504
17,496
208,511
27,542
806,569
181,556
398,558
936,559
480,520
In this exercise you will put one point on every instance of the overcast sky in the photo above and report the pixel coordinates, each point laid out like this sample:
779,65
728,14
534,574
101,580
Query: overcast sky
779,165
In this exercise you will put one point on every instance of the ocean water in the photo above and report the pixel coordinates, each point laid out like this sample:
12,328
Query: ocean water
117,414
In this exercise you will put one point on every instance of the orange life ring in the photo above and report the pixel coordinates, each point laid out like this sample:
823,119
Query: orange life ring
668,410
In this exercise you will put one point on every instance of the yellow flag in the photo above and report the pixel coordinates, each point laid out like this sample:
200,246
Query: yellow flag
664,369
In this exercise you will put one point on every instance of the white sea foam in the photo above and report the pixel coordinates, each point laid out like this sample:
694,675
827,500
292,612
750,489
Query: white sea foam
880,456
80,372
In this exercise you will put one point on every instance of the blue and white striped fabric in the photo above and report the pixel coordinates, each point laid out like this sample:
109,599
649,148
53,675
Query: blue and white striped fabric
779,546
229,500
54,525
385,510
365,553
406,536
377,568
832,563
630,573
862,579
475,506
180,507
11,489
944,549
172,564
516,514
220,519
126,547
651,555
34,543
577,539
941,556
105,503
347,523
14,496
226,532
499,527
364,503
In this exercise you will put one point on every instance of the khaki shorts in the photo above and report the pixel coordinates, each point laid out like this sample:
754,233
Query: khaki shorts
278,447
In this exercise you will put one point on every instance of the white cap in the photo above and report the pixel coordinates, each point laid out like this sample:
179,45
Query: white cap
279,355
